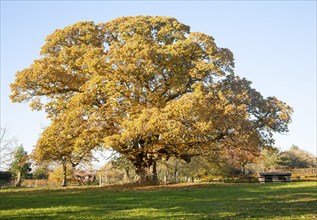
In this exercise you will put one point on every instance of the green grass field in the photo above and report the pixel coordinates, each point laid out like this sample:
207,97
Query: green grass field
297,200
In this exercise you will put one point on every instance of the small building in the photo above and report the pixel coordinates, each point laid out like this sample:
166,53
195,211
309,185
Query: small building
84,177
275,177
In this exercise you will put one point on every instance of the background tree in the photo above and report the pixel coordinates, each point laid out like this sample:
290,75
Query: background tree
66,142
148,88
8,146
57,174
41,171
212,164
298,158
239,159
270,159
20,166
120,162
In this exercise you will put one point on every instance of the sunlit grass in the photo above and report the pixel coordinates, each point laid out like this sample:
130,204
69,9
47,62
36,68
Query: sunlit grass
207,201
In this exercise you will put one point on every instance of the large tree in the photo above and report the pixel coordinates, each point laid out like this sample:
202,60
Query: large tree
148,88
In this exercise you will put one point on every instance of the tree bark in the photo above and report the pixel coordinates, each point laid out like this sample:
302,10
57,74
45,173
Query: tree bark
176,176
145,168
147,175
243,170
19,180
140,171
126,177
154,178
243,164
64,183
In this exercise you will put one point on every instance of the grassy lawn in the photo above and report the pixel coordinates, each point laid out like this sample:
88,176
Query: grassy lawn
297,200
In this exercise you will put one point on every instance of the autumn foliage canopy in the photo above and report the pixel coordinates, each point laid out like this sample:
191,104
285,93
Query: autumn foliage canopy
148,88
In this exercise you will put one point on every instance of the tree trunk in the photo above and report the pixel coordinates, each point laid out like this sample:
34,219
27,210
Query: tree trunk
126,177
140,171
176,176
154,177
176,171
147,175
243,167
165,178
190,179
243,170
19,180
145,168
64,183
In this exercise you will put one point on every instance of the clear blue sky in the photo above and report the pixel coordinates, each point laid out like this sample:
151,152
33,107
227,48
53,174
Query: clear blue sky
274,44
